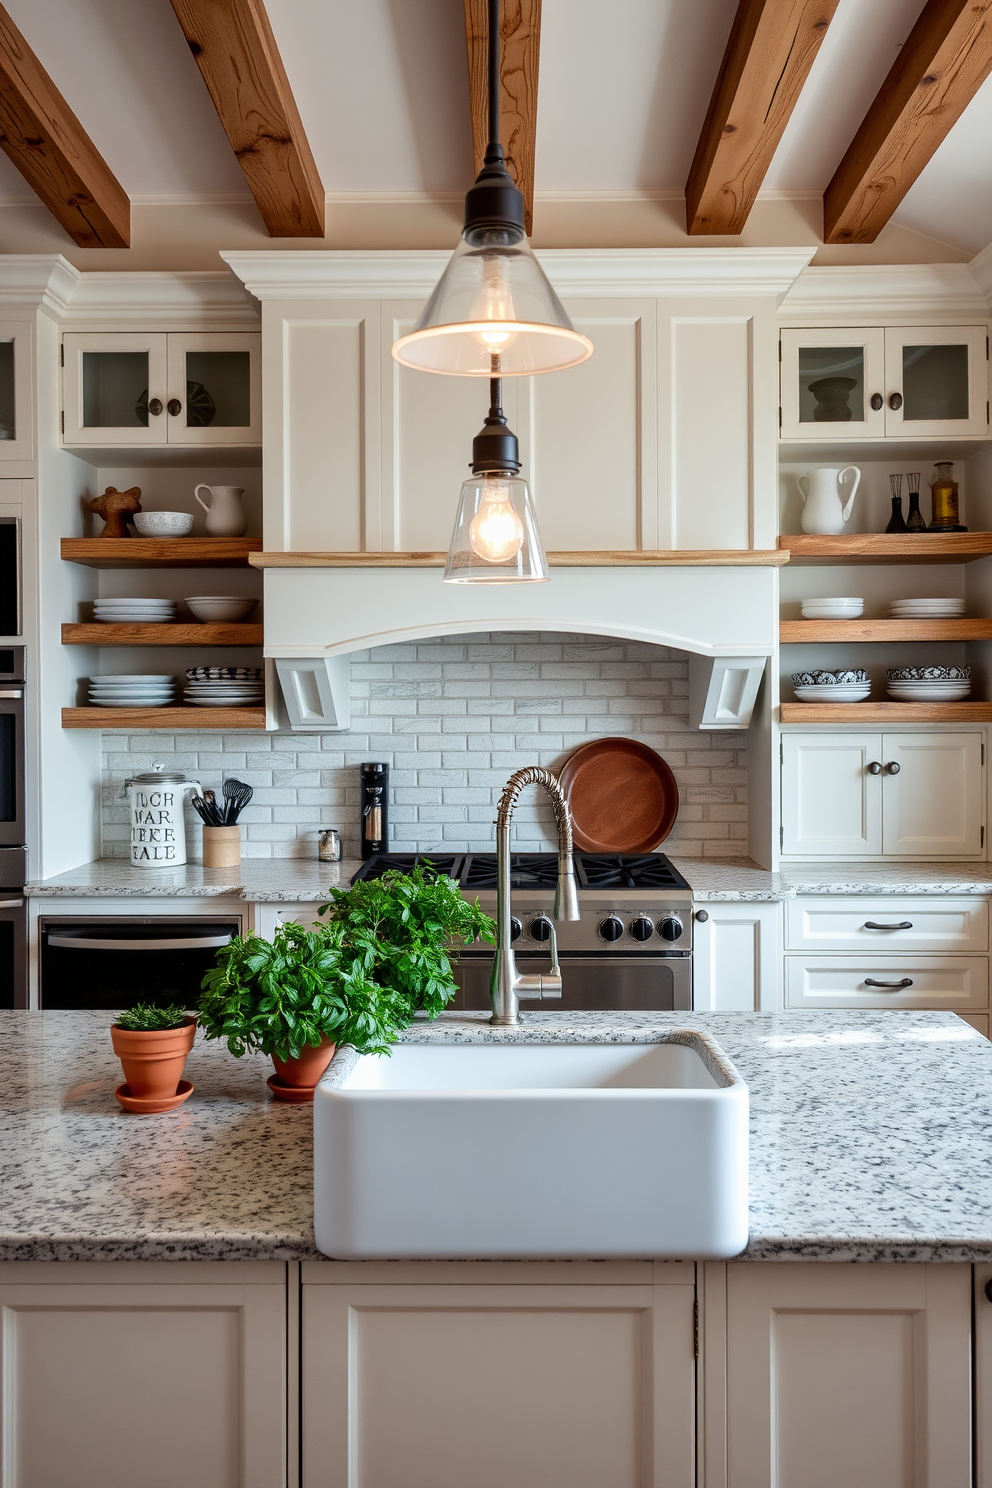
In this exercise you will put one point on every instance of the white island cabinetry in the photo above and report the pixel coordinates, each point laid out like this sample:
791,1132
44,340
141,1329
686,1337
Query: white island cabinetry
736,957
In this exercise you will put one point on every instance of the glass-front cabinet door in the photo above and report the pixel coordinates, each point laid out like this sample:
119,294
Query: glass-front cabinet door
16,408
833,384
175,388
936,381
113,389
215,393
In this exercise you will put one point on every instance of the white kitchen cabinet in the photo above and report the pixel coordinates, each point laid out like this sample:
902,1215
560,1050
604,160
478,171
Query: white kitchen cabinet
896,980
736,957
853,1375
983,1375
906,795
832,922
142,389
844,383
115,1374
537,1374
16,391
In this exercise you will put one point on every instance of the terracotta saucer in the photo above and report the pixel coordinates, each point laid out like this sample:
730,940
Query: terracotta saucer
297,1095
145,1105
622,795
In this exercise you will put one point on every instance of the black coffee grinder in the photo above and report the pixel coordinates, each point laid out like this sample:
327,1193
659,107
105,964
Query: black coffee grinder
374,821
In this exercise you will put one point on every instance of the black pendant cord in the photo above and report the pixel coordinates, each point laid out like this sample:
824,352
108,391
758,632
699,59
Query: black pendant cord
495,387
493,72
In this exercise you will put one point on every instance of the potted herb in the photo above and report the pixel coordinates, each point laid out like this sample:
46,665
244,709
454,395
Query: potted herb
152,1044
382,957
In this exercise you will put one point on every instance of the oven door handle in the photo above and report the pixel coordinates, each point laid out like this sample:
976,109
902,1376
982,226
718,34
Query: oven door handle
194,943
11,903
11,692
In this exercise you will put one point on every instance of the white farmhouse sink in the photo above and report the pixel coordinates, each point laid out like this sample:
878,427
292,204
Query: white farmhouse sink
528,1150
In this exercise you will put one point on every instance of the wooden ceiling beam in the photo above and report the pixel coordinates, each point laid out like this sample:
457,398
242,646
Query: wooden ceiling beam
771,49
944,61
46,142
237,55
520,49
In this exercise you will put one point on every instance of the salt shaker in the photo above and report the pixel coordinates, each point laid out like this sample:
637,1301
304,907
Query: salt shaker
329,846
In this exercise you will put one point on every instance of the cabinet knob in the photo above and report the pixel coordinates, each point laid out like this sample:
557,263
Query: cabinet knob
702,915
895,400
155,406
876,401
893,768
875,768
988,1289
174,406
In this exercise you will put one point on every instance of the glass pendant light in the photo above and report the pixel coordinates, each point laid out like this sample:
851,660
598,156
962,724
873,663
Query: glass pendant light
495,540
493,297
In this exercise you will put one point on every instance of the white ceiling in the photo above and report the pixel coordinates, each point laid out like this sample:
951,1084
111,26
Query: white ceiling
382,89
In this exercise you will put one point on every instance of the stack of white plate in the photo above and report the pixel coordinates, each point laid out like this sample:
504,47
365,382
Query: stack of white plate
131,611
832,609
926,609
929,685
132,690
840,692
225,692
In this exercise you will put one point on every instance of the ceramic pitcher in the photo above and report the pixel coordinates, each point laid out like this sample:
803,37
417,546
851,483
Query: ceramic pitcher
225,514
824,510
158,831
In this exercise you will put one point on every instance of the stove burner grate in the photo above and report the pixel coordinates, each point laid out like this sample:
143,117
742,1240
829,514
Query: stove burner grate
477,871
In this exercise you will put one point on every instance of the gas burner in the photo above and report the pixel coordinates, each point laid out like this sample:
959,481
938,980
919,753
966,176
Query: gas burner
527,871
636,871
380,863
476,872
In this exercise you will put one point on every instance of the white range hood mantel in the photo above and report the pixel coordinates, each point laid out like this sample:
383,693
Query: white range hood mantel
718,611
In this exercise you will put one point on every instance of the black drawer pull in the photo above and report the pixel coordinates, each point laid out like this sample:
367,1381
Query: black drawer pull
889,986
902,925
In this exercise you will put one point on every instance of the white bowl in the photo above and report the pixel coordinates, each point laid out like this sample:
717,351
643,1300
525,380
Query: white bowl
220,609
163,524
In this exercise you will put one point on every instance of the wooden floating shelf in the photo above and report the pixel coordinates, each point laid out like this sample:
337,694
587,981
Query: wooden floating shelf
887,712
625,558
97,634
886,547
163,718
795,632
160,552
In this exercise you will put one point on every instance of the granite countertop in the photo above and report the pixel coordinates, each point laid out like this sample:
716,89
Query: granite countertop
869,1139
306,880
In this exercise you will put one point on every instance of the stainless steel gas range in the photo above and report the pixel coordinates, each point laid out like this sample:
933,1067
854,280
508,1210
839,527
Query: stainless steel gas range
630,951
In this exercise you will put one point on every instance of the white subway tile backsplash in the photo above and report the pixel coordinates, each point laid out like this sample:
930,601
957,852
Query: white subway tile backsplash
454,718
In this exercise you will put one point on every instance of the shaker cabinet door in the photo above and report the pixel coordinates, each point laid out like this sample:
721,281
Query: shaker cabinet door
214,388
932,795
936,381
833,384
831,799
114,388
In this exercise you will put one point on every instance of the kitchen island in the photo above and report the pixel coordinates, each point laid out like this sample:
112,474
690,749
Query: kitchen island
173,1257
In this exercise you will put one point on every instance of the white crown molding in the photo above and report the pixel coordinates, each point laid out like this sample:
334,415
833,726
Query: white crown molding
981,272
702,272
874,291
213,298
37,279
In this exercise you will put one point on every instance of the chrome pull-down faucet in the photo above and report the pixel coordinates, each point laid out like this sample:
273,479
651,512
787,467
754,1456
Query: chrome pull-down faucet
507,985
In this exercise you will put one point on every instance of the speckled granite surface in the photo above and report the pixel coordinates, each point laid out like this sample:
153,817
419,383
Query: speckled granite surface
871,1139
303,880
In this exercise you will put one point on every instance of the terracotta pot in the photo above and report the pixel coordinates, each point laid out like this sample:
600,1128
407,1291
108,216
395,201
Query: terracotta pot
296,1079
153,1062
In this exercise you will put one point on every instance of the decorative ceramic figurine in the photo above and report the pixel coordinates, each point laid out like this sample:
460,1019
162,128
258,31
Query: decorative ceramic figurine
824,511
115,507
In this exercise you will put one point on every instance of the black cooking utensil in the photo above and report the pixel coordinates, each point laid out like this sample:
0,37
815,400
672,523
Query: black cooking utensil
202,810
237,795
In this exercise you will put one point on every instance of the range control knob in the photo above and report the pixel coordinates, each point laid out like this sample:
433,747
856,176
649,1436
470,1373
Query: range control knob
641,928
540,928
670,928
516,929
611,928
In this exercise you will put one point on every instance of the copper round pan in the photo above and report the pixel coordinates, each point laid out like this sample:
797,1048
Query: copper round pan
622,795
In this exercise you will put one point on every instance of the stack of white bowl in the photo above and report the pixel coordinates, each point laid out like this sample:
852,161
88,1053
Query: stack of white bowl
243,687
220,609
832,609
132,690
134,611
930,684
849,686
926,609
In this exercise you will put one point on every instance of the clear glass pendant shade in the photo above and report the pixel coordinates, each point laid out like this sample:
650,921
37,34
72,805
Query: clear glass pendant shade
493,299
495,538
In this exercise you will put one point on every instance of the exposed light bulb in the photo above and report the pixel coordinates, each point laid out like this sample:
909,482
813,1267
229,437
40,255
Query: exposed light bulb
494,306
496,532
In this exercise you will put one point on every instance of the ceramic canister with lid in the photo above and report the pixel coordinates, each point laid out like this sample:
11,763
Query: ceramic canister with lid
158,831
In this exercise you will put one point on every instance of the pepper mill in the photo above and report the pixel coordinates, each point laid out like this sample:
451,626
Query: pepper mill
374,809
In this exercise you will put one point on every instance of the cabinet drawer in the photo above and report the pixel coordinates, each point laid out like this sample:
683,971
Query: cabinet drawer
937,982
825,923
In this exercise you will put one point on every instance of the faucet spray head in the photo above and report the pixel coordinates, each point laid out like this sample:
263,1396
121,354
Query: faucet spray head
566,891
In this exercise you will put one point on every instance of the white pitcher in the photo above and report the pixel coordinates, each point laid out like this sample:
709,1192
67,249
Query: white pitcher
225,514
158,831
823,498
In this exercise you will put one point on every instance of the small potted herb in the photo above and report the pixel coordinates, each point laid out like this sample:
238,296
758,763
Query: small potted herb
152,1044
382,957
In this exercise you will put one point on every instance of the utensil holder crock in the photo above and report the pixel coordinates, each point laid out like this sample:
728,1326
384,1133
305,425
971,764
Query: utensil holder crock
221,847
